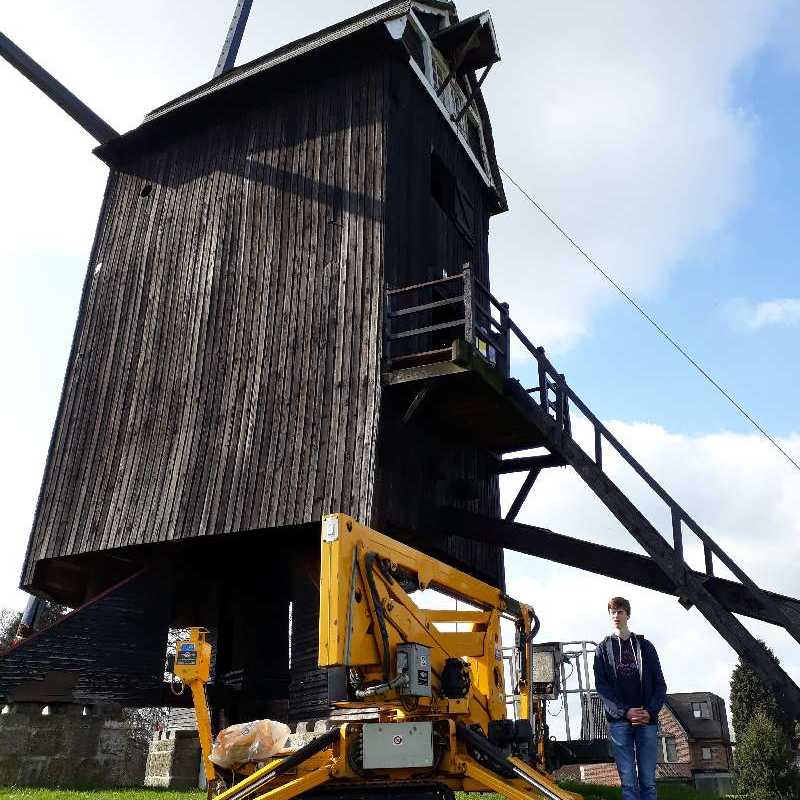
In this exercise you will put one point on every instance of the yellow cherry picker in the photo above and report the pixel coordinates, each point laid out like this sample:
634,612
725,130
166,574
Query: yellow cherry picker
431,684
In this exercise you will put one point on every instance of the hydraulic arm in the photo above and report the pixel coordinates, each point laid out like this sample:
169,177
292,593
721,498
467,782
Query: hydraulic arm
429,685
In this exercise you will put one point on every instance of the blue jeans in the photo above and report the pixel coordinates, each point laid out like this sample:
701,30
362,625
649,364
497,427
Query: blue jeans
635,745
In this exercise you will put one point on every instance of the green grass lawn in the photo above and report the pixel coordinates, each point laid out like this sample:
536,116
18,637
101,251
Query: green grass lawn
590,792
98,794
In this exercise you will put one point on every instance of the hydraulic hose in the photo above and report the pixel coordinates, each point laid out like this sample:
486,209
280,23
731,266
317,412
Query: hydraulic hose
498,762
382,688
369,563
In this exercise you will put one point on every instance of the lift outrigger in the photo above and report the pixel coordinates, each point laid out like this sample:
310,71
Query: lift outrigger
433,680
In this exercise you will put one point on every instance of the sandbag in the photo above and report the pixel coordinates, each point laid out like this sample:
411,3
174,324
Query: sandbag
248,741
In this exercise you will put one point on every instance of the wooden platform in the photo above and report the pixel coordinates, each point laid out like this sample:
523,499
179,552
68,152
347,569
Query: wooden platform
468,398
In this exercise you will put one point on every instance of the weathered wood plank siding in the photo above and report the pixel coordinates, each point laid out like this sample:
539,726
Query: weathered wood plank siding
111,650
225,367
225,373
418,470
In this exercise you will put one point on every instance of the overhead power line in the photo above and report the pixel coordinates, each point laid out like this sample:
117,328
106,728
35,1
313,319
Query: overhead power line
721,389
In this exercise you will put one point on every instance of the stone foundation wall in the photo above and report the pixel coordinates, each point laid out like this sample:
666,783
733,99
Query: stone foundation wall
174,760
67,747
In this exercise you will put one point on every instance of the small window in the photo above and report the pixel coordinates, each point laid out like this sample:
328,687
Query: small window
670,749
701,710
706,754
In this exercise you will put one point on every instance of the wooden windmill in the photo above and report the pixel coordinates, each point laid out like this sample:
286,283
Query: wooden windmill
287,312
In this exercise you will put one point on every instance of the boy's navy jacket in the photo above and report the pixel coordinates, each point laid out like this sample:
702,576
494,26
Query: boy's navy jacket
654,689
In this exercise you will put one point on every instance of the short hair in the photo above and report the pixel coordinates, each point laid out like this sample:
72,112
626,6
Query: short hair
616,603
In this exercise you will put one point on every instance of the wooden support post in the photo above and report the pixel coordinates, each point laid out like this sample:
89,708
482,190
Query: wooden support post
542,379
560,403
420,399
505,332
523,493
709,559
598,447
457,117
679,566
469,305
387,327
565,401
677,540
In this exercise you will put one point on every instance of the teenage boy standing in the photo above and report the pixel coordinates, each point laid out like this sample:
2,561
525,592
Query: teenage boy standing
627,676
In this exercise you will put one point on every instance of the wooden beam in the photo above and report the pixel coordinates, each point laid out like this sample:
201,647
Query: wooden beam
420,399
603,560
523,493
230,47
56,91
507,465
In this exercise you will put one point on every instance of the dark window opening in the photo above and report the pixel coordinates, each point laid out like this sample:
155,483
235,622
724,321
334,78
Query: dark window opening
413,42
451,196
474,138
146,190
431,22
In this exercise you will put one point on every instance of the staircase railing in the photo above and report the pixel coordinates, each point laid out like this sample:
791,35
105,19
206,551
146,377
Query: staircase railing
491,336
680,518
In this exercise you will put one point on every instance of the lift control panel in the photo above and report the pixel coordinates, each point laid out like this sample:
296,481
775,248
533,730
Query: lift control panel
414,660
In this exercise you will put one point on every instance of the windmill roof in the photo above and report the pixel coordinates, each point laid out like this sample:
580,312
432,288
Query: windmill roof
246,75
300,47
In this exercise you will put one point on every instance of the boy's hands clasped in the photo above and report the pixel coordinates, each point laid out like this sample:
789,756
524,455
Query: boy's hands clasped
638,716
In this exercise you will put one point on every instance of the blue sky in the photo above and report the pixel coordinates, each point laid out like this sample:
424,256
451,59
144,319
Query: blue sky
662,136
625,366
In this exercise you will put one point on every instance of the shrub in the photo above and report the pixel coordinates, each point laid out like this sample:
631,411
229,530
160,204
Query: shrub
764,761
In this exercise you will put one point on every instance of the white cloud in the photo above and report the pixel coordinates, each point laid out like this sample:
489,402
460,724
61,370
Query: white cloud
783,312
736,486
620,119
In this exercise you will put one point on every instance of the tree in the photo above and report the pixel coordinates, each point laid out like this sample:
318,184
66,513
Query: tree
9,621
49,613
764,761
750,694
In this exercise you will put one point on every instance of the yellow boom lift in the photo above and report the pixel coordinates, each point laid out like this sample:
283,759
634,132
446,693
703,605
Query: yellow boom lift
432,680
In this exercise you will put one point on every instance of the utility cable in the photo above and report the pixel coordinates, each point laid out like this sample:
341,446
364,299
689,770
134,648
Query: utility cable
654,323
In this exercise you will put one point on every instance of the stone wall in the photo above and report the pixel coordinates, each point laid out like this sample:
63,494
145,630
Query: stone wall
72,745
174,760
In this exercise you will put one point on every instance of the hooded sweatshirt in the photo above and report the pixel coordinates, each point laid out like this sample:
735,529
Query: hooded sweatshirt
618,691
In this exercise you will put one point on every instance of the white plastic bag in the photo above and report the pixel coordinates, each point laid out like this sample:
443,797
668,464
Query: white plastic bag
249,741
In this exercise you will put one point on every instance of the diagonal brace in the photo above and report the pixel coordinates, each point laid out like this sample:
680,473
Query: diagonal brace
522,494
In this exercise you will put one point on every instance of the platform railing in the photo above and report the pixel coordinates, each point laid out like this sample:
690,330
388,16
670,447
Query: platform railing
474,308
480,319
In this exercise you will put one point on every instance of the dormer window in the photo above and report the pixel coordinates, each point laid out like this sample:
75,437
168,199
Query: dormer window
446,57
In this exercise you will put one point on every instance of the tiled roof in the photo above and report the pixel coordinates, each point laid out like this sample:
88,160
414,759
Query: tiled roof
715,728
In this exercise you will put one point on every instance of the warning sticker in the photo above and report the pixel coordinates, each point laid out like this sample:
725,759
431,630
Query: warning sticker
330,529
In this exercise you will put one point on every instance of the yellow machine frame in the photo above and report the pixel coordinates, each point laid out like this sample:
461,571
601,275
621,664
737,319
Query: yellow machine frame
193,668
365,613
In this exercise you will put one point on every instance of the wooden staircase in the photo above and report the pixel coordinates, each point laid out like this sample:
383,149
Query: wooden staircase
467,389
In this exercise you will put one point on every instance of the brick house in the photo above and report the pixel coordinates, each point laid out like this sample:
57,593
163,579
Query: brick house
694,745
